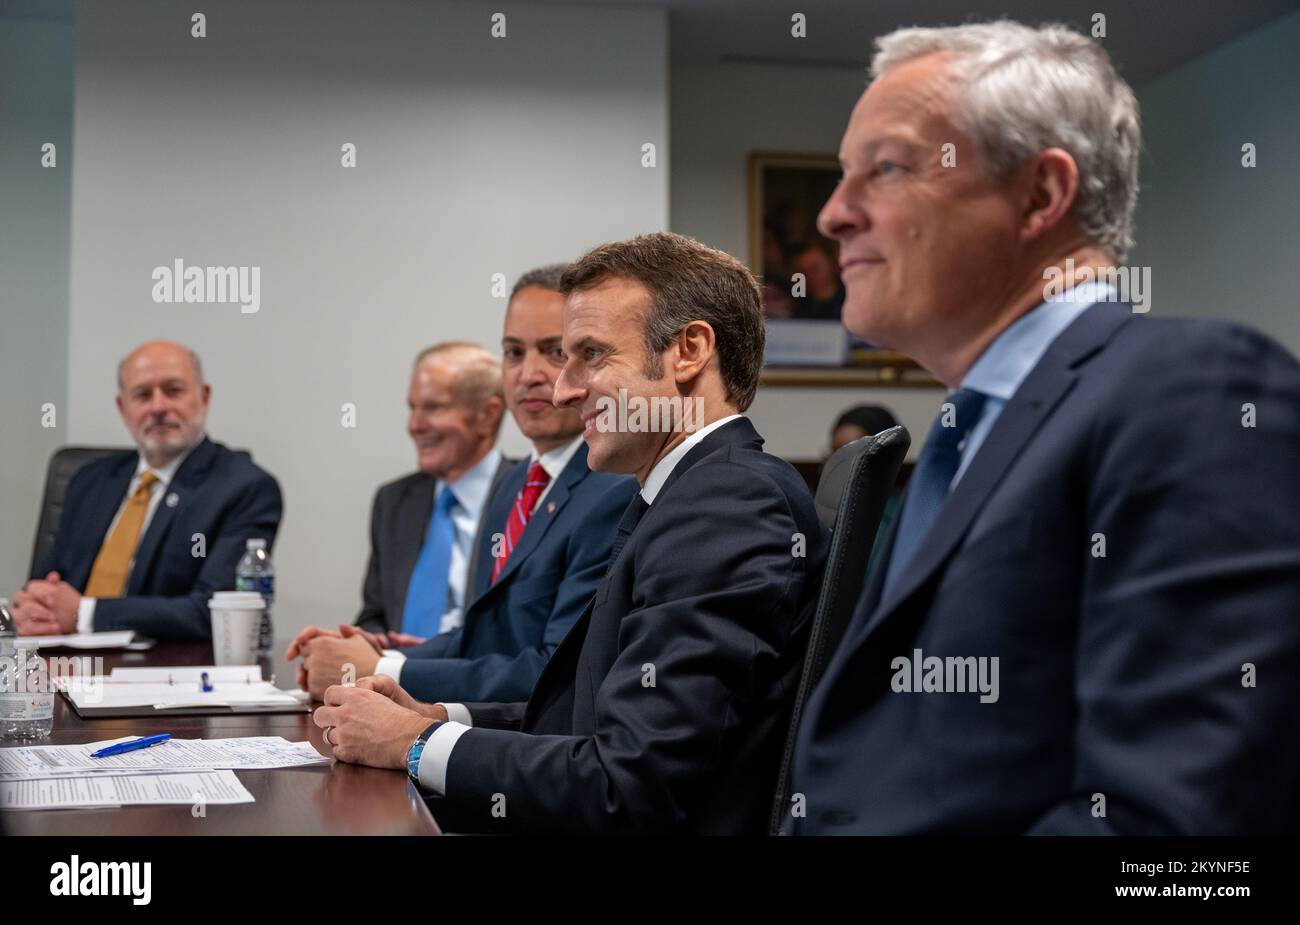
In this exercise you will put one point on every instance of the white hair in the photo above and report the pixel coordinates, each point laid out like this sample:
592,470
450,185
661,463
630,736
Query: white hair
1023,90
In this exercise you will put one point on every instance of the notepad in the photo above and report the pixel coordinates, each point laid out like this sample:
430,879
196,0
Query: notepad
101,791
233,686
115,639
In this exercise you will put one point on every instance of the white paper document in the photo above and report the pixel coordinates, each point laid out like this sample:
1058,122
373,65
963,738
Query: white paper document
115,639
251,753
108,790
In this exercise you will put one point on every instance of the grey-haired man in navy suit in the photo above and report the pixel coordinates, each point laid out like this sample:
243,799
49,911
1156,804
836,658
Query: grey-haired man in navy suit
1086,618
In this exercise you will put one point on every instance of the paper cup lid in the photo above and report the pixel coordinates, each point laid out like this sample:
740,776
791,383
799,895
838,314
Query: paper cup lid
236,600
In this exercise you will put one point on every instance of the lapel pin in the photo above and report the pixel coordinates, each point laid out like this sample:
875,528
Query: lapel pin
550,507
173,499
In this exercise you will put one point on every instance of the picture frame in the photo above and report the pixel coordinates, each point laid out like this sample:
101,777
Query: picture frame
799,271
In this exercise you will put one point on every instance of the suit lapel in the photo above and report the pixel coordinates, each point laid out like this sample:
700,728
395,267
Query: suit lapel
479,570
188,479
548,509
1021,418
560,672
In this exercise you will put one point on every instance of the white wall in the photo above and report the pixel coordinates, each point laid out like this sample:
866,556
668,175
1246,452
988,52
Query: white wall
475,156
720,113
36,65
1221,239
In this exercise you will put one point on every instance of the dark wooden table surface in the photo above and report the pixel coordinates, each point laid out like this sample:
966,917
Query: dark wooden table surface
338,799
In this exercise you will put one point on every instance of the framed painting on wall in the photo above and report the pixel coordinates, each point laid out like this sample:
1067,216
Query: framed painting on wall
799,272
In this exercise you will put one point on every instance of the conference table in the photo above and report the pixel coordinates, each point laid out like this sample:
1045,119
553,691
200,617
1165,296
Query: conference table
334,799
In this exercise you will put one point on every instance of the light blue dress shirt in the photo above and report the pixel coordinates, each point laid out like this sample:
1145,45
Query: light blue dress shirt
1007,362
471,491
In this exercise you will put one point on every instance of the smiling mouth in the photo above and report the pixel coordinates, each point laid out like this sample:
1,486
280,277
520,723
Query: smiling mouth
859,262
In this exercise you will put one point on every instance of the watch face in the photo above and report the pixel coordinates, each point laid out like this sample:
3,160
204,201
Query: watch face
413,759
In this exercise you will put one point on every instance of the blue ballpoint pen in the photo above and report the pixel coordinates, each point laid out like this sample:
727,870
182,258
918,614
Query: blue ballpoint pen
121,747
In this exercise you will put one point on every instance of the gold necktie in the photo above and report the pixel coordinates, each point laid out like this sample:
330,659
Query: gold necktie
108,575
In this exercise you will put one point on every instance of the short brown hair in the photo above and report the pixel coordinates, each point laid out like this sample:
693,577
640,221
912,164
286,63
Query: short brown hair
547,277
687,281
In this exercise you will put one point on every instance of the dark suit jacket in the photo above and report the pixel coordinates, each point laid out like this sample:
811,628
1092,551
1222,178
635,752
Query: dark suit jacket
399,517
220,494
512,628
665,706
1119,676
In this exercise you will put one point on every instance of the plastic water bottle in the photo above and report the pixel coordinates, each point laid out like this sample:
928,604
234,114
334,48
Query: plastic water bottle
26,695
256,573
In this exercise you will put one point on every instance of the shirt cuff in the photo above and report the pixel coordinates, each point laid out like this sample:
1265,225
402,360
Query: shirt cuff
86,615
390,664
458,713
432,772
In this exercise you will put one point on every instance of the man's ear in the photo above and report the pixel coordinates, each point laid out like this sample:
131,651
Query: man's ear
695,344
1049,184
489,416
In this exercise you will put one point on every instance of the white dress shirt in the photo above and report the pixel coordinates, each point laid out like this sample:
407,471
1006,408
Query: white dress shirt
553,462
432,770
157,491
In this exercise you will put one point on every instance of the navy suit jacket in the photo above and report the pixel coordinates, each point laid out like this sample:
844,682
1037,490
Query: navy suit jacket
512,628
220,494
665,706
1150,690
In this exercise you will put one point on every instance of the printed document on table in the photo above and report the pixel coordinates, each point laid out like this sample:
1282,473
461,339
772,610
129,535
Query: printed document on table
250,753
105,791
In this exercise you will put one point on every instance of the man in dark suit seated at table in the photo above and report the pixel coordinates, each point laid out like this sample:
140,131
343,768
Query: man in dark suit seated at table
550,523
426,528
665,707
147,536
1087,618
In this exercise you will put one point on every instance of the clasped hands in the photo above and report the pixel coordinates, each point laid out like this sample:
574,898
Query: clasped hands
326,654
374,722
46,607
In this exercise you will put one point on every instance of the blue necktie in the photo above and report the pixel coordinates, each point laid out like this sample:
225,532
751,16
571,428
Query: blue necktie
936,467
426,595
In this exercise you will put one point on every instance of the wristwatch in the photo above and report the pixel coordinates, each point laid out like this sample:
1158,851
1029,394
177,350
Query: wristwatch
416,750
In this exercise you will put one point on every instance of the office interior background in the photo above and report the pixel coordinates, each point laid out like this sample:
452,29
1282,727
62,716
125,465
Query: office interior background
478,156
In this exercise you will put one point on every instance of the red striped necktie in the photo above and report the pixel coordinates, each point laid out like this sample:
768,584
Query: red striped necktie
522,512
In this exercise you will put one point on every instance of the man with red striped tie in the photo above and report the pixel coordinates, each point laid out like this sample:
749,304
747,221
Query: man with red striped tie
550,524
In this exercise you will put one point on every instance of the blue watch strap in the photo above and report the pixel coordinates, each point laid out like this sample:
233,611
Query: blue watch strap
416,750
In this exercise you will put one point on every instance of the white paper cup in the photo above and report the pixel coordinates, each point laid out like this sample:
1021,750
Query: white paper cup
236,623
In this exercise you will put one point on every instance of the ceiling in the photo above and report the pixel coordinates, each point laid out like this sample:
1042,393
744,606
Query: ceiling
1146,38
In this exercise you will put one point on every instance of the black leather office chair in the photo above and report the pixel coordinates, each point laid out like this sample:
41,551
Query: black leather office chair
855,485
63,466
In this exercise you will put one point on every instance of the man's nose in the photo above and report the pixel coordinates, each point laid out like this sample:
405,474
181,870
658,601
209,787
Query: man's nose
567,392
837,219
534,371
158,403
